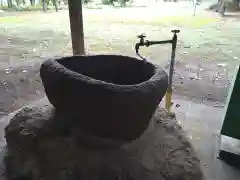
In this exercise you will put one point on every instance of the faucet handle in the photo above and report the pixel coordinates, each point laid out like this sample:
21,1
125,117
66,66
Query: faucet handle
141,36
175,31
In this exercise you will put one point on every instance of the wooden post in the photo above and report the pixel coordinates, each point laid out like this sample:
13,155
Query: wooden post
76,25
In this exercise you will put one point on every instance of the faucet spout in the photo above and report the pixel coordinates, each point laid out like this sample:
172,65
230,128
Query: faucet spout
137,46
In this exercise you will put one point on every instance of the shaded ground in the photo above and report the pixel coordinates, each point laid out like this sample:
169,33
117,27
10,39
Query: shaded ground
207,52
203,125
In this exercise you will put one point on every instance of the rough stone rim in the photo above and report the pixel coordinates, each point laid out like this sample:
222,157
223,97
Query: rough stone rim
157,73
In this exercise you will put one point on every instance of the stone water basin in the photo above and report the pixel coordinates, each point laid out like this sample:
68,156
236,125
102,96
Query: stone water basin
110,96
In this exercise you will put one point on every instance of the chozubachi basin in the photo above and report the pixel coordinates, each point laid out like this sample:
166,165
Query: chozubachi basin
109,96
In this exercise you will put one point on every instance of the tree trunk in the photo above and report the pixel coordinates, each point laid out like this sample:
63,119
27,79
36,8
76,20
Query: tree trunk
32,2
18,2
10,4
44,5
223,4
54,2
236,2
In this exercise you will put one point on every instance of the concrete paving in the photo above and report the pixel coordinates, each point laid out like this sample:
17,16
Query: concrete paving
203,125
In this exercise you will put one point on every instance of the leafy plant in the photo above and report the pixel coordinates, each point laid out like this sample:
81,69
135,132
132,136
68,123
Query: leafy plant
109,2
123,2
86,1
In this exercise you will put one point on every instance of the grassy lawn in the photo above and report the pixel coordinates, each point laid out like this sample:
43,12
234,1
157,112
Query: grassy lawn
113,33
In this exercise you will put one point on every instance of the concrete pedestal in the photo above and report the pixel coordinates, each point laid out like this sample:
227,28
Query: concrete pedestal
39,149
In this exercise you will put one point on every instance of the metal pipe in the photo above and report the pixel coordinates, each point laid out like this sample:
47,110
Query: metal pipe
150,43
168,98
172,62
173,41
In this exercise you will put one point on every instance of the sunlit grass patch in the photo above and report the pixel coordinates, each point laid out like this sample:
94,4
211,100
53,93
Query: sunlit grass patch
20,17
182,20
13,19
190,21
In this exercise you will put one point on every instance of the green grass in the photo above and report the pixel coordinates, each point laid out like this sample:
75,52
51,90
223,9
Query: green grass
123,18
23,16
13,19
121,37
189,21
37,7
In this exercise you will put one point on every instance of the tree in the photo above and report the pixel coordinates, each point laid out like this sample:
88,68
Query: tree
123,2
54,2
17,2
32,2
109,2
10,4
86,1
44,5
222,5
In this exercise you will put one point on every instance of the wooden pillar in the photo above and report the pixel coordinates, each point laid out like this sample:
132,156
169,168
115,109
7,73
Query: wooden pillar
76,25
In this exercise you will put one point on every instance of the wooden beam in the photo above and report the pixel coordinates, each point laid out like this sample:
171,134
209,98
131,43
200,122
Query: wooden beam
76,25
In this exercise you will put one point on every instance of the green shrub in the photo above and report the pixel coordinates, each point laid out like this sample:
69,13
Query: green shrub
123,2
19,9
86,1
109,2
11,9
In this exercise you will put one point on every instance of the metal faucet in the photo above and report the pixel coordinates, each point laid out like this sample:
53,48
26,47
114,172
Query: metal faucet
147,43
173,41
